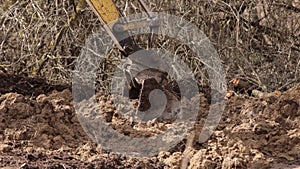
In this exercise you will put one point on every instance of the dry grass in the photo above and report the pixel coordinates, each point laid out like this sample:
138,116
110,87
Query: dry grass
256,40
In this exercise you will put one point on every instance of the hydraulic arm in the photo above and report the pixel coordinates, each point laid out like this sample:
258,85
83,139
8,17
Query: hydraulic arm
108,14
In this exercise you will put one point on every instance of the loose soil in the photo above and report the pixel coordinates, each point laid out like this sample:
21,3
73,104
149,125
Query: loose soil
39,129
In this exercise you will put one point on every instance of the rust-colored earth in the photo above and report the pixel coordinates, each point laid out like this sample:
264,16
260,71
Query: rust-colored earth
39,129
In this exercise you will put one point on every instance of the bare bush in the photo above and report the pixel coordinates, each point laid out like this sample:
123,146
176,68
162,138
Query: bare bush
257,40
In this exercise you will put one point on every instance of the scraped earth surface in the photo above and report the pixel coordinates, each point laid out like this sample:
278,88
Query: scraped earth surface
39,129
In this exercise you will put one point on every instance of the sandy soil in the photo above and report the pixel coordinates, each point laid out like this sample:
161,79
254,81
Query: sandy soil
39,129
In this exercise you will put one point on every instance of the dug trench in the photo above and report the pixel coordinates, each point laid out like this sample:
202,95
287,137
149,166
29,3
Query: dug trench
39,129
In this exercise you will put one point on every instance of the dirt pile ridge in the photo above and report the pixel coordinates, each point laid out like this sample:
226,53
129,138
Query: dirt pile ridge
43,132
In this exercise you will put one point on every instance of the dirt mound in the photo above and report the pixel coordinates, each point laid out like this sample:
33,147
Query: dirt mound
44,132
